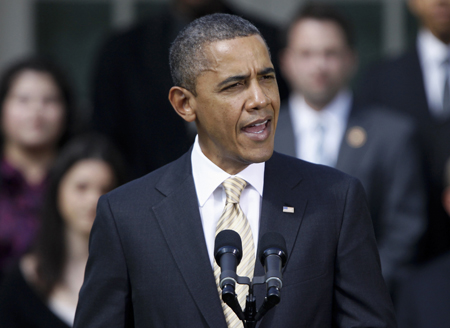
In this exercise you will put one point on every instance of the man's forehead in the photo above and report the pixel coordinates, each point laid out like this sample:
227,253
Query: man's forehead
237,50
316,31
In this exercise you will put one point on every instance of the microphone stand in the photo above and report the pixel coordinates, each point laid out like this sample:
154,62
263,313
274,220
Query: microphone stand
250,316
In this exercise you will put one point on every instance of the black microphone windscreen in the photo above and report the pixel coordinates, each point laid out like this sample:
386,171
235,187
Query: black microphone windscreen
228,238
271,239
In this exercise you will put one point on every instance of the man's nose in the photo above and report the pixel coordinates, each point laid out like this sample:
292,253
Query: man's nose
258,97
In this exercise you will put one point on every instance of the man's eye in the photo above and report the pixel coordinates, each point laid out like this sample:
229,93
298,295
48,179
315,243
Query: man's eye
234,85
268,77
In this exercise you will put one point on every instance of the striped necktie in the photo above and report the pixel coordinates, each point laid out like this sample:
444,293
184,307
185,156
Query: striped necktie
321,154
234,218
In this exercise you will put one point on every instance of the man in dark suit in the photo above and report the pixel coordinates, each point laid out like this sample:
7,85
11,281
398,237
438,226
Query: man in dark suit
151,246
424,298
414,84
374,145
132,79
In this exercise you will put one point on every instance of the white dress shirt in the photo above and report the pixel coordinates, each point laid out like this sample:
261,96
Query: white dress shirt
432,53
211,196
305,120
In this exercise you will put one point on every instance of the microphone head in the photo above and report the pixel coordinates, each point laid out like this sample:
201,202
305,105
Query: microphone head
272,243
228,241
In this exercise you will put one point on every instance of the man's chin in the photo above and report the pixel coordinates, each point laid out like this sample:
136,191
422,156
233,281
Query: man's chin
259,156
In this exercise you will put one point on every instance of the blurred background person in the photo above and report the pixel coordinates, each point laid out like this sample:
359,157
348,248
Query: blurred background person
43,290
425,297
131,83
35,120
320,123
417,84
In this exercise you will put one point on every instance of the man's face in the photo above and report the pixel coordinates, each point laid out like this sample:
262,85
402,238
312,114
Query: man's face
434,15
317,61
237,104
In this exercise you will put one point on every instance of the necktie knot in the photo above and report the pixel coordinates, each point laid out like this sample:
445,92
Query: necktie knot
233,189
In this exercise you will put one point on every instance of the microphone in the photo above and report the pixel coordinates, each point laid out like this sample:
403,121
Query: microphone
228,255
273,255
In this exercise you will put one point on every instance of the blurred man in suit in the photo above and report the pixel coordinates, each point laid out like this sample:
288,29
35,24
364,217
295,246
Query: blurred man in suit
416,84
321,124
151,246
424,298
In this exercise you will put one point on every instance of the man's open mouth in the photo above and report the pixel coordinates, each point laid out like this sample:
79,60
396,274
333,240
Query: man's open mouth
256,127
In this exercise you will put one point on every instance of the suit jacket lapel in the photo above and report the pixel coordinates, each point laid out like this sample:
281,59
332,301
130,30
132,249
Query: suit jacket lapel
346,155
285,137
279,184
414,81
358,138
180,222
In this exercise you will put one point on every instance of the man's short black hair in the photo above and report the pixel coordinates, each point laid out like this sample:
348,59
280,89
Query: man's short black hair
187,57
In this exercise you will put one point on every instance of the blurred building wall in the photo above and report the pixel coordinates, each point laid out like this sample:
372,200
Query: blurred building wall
71,31
16,29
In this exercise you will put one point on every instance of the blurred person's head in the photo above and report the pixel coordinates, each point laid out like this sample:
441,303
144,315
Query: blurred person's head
225,82
35,105
87,167
319,58
433,15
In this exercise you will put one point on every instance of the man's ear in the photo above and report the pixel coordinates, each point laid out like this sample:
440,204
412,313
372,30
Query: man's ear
182,101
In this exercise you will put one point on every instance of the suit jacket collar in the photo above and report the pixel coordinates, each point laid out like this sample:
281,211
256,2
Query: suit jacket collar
285,136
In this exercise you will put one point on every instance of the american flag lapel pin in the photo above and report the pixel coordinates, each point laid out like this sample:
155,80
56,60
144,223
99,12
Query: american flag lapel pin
288,209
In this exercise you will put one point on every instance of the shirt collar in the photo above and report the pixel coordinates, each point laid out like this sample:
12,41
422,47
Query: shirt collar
208,176
338,109
430,48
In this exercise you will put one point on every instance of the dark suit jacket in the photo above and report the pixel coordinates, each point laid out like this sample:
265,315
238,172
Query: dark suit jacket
424,299
399,84
22,307
148,261
388,166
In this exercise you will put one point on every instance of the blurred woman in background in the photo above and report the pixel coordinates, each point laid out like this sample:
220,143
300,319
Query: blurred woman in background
43,290
35,120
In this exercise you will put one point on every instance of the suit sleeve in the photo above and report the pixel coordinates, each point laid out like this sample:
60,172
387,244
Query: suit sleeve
361,298
105,297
